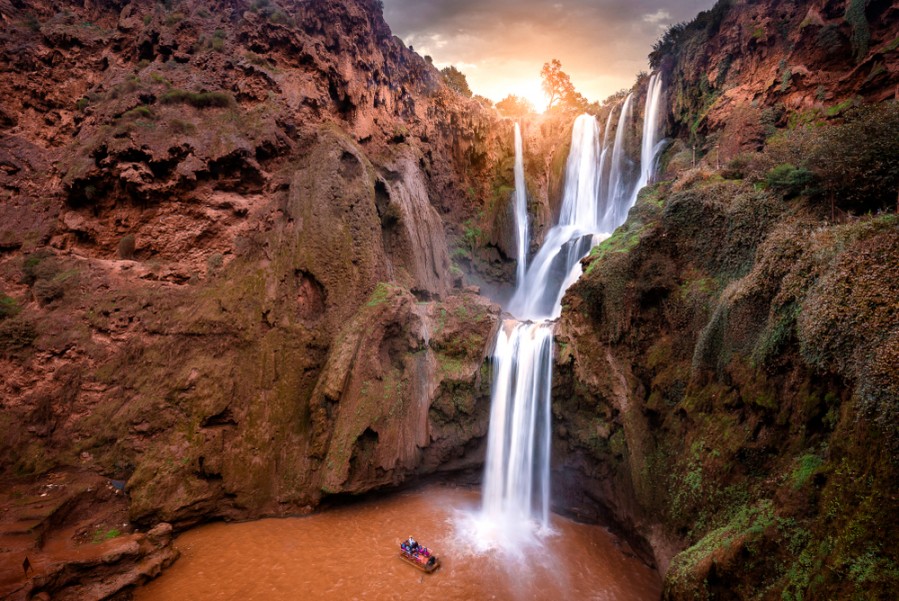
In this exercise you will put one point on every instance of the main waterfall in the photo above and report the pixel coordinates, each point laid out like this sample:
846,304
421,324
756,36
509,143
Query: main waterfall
517,474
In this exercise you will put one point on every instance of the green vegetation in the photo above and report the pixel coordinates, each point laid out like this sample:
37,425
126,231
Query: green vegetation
456,80
789,179
139,112
8,306
808,465
198,100
381,293
101,536
861,32
218,40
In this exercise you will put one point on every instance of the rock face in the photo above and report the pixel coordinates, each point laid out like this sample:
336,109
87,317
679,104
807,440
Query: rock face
705,402
741,68
225,238
65,535
722,385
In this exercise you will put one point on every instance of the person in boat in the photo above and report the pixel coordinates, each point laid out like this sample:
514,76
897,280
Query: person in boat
413,546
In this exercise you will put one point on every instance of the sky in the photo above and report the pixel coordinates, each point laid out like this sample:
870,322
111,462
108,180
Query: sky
501,45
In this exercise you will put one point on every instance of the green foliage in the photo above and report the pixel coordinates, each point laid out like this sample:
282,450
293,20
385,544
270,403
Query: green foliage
789,179
218,40
53,288
35,265
666,44
514,106
139,112
808,465
380,294
105,535
198,100
455,79
181,126
786,76
861,33
8,306
82,103
705,25
857,162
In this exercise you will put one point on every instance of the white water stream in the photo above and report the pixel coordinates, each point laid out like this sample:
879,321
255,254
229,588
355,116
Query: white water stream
521,209
517,473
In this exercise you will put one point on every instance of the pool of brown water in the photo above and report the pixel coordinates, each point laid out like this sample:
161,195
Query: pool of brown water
351,552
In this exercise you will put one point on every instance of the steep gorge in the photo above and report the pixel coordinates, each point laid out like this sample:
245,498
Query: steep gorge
237,245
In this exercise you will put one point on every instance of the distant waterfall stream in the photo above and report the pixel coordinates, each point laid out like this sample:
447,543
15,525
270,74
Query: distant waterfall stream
517,473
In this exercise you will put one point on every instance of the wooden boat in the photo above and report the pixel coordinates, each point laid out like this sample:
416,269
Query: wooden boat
426,562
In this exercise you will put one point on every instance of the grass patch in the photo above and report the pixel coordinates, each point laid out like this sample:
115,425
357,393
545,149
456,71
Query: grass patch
809,465
200,100
105,535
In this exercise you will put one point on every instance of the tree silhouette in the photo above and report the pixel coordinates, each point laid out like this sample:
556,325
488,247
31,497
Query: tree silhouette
456,80
558,87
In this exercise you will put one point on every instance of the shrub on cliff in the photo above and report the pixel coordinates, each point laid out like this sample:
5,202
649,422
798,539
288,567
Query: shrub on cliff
8,306
790,180
16,334
455,79
857,161
514,106
198,100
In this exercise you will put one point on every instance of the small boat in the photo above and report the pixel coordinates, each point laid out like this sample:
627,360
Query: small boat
419,556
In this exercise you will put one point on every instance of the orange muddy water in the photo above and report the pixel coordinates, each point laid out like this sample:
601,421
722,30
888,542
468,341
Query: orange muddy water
351,553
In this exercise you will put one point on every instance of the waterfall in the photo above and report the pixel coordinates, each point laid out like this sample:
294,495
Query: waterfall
616,206
521,209
518,441
651,145
516,476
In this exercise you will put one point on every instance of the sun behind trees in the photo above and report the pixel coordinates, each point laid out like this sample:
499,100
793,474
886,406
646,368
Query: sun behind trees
514,106
558,88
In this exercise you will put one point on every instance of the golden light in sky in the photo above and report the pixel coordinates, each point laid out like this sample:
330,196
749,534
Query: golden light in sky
532,91
501,45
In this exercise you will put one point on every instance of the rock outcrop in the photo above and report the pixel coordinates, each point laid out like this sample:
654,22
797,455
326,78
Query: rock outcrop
225,255
722,386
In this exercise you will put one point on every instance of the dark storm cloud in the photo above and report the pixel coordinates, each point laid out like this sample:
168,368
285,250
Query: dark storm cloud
602,43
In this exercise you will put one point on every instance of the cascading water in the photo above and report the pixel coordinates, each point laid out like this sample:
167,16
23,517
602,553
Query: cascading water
521,209
651,145
516,479
616,205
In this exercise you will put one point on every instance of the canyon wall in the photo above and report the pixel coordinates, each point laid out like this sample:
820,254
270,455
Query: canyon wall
727,386
230,254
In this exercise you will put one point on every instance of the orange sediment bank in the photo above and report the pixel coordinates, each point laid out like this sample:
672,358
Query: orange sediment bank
351,553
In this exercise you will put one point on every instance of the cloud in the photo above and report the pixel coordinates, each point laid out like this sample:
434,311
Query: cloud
659,16
503,44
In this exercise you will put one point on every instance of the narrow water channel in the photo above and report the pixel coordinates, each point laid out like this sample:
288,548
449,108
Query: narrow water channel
350,552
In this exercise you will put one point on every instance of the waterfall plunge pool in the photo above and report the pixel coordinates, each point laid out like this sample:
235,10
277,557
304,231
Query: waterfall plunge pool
349,552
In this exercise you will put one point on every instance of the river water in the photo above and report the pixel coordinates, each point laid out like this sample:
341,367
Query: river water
350,552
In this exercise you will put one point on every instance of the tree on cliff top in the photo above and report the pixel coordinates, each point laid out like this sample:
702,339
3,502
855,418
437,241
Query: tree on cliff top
514,106
456,80
558,87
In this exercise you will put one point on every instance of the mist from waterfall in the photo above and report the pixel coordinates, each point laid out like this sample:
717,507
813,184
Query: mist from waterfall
516,501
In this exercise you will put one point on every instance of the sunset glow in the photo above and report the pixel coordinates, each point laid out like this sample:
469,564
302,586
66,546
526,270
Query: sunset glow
501,46
533,93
